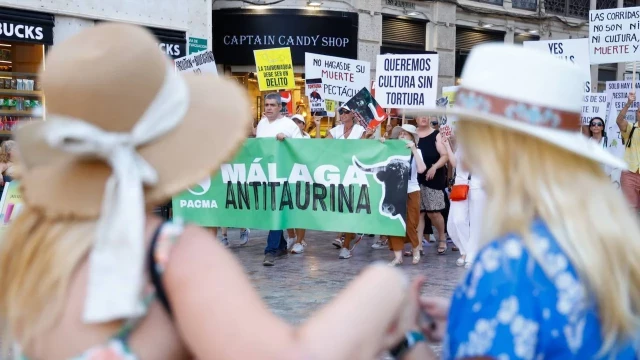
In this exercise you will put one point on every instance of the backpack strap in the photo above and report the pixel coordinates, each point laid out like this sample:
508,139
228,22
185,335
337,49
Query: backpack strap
633,129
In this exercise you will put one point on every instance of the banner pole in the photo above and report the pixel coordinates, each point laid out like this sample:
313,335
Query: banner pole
403,118
633,83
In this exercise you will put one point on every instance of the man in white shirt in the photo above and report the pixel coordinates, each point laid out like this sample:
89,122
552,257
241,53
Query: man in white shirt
273,124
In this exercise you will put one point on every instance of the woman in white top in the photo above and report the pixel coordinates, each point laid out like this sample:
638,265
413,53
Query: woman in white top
349,129
297,235
465,216
396,243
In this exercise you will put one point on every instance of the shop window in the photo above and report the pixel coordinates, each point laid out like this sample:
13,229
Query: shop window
20,92
492,2
525,4
298,102
520,38
580,8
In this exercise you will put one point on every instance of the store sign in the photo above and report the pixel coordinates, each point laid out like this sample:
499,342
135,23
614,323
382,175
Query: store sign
175,51
341,78
402,4
24,32
237,33
197,45
574,51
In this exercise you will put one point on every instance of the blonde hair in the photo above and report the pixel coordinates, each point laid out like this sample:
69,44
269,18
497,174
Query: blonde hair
38,256
527,178
5,150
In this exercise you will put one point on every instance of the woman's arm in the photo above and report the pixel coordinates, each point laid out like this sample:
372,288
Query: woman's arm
205,282
417,156
450,155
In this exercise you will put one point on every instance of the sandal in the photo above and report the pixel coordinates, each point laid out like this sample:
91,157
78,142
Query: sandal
395,262
416,257
442,247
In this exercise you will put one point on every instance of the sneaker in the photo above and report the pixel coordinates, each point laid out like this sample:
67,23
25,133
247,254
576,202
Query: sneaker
344,253
225,241
380,244
338,243
244,237
468,265
304,243
297,249
432,238
460,261
269,260
290,242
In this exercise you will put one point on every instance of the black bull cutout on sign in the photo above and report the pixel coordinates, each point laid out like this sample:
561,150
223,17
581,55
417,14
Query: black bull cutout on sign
393,174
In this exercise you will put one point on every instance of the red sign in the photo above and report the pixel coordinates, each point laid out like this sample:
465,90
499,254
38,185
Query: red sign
287,102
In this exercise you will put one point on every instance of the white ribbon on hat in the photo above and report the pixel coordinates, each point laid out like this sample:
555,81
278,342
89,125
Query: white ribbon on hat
116,262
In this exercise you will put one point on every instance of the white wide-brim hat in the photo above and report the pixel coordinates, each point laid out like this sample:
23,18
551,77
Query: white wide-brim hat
527,91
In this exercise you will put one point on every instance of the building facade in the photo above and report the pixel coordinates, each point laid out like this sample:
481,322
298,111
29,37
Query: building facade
29,27
450,28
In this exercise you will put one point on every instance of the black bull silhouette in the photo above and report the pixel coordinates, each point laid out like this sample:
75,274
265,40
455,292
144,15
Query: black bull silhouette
394,177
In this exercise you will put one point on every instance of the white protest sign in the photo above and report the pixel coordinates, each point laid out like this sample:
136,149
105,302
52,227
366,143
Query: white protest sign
575,51
629,76
617,94
594,105
341,78
315,93
407,81
614,35
202,62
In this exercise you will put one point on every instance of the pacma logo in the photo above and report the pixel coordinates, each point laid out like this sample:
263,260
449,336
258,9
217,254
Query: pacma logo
21,31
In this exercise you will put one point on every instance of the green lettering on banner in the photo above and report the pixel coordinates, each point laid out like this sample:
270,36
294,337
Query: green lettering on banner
197,45
353,186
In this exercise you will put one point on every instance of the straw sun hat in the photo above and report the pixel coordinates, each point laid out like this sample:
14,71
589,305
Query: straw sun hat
526,91
123,133
108,76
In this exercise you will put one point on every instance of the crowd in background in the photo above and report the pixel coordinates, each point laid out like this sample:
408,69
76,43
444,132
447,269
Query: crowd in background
436,165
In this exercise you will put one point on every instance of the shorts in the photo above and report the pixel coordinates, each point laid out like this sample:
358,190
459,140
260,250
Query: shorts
431,200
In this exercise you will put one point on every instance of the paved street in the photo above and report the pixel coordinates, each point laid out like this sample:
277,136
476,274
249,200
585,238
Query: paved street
300,284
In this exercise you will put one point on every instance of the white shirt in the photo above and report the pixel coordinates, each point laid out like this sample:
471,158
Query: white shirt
283,125
413,179
338,132
306,136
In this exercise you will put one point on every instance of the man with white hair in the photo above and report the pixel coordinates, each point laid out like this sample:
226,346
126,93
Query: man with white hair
274,124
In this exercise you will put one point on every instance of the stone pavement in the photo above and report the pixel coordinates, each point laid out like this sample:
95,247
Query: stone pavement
300,284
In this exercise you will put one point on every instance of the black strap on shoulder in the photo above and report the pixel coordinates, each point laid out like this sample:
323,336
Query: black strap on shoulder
154,273
633,129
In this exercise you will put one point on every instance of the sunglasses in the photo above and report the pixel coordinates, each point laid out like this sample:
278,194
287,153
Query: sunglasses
598,124
435,123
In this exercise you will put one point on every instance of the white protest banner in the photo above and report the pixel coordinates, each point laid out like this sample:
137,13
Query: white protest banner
315,93
617,94
341,78
407,81
594,105
202,62
614,35
575,51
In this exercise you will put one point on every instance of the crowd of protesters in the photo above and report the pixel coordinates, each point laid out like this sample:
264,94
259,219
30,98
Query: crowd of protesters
436,165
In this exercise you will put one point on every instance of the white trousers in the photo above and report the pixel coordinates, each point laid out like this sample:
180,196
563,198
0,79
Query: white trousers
464,225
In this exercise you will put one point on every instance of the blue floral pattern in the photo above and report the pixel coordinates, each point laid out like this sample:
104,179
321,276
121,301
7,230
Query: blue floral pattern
473,101
533,114
521,304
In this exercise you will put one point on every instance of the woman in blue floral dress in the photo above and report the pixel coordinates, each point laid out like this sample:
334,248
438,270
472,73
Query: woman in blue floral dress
557,275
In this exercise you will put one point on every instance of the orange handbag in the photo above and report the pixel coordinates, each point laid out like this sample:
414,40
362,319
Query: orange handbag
460,192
